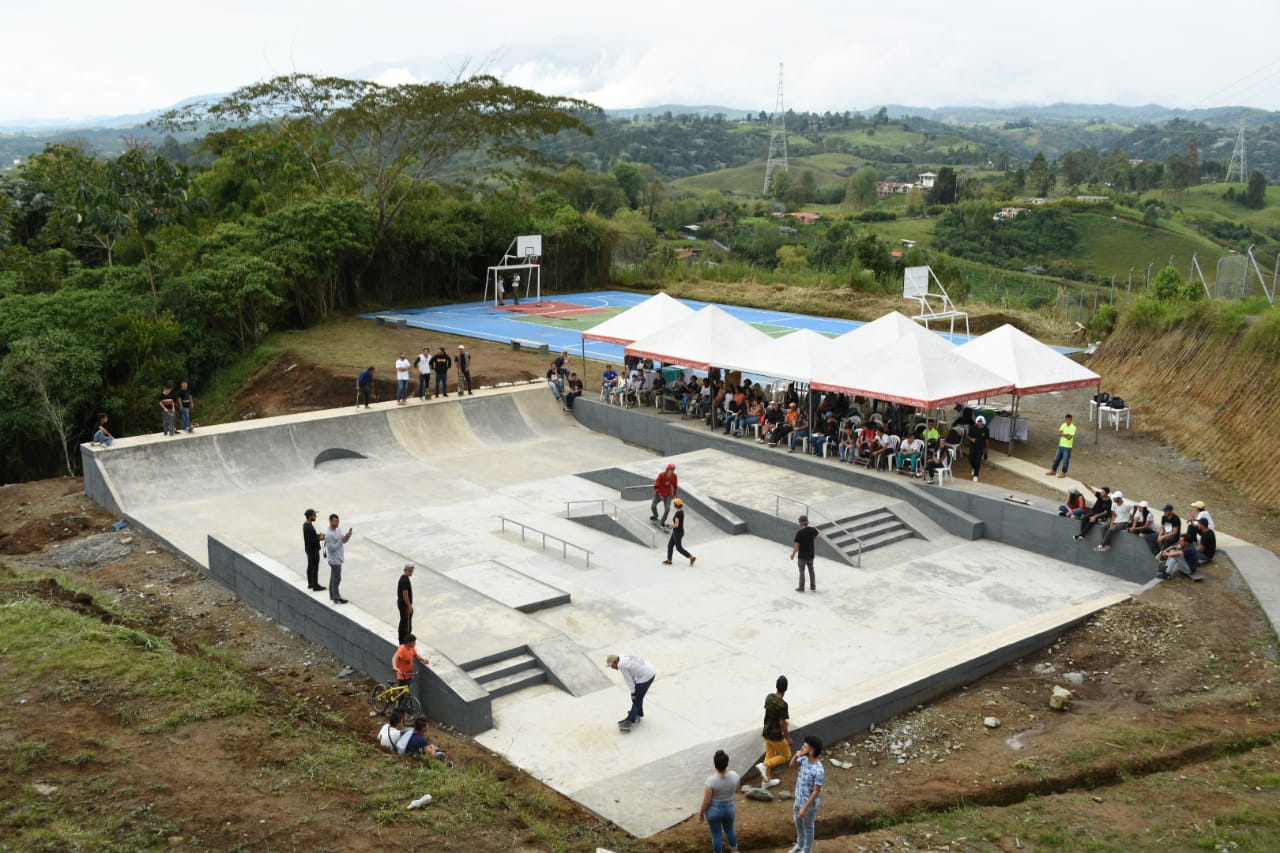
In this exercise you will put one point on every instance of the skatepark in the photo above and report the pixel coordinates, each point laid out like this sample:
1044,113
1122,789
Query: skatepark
535,559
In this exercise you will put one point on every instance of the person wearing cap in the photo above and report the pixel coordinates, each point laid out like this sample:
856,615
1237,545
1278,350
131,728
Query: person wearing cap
1099,512
802,552
977,438
1121,519
440,363
1206,540
463,362
311,539
665,489
1201,512
1144,521
404,601
1075,506
1166,530
1066,439
402,379
638,675
676,541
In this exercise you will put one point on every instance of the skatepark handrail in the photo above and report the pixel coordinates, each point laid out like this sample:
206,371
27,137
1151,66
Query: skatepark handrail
605,505
565,544
808,510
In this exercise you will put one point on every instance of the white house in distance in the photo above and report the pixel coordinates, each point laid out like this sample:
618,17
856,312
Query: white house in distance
927,179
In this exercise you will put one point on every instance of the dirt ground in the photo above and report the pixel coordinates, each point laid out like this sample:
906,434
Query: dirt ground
1171,740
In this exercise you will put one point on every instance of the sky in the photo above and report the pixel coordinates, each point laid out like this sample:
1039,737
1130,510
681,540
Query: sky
69,59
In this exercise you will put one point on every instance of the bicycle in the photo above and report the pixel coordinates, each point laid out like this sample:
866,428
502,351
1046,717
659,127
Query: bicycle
395,695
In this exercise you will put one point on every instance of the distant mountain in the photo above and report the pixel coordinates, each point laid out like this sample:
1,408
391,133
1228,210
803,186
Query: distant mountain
1133,116
44,127
681,109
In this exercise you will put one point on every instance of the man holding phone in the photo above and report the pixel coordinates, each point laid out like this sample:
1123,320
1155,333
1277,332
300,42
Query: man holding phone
334,540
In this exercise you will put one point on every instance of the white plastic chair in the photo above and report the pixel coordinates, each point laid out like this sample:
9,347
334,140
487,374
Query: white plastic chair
945,471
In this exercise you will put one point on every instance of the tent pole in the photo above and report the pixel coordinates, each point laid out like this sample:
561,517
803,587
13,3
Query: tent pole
1013,424
1097,423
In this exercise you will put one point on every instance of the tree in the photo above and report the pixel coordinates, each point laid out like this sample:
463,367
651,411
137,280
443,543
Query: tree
1193,160
1177,173
944,188
1167,285
1039,175
392,139
61,375
1255,195
863,191
632,181
150,191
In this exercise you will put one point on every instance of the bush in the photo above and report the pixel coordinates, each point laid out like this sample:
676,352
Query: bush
876,216
1104,319
1167,285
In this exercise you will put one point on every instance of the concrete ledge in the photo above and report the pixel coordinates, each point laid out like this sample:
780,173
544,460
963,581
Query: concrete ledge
447,693
783,531
567,667
1261,571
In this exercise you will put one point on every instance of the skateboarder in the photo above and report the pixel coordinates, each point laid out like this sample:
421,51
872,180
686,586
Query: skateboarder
639,675
665,487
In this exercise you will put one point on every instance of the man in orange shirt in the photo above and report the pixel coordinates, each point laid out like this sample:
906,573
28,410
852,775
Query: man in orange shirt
405,658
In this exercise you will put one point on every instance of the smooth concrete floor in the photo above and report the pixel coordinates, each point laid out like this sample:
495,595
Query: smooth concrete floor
432,489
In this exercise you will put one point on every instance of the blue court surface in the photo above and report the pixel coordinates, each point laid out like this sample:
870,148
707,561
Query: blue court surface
568,315
561,319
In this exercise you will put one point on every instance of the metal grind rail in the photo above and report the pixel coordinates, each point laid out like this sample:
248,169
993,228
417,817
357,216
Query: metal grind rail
526,529
809,511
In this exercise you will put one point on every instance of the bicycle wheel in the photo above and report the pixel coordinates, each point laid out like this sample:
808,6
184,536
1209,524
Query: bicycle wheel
410,705
379,699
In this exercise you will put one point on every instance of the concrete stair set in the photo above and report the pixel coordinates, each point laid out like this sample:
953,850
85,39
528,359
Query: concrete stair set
507,672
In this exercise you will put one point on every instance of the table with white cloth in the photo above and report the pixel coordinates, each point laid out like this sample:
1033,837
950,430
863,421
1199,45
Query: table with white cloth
1001,426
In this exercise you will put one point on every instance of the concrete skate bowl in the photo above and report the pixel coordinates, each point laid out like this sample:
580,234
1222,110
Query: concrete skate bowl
139,473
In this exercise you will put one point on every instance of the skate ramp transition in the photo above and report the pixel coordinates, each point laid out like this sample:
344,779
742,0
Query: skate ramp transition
517,630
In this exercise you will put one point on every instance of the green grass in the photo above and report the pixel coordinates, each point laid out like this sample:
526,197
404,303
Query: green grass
1110,246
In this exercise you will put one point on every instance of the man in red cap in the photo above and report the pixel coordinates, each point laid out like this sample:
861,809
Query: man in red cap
665,488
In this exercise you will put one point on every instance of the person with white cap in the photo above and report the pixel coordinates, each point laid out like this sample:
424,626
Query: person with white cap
463,363
977,438
1121,518
665,489
638,675
1201,513
1144,521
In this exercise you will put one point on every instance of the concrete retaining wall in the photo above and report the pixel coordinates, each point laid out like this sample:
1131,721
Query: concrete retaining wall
783,531
447,693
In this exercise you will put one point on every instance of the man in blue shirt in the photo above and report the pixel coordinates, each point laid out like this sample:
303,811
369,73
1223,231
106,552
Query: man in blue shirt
810,774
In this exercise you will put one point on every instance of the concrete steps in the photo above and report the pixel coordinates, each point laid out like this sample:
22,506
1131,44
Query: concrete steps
875,529
506,673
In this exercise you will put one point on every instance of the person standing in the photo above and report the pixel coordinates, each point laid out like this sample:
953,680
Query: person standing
364,387
102,435
978,437
311,541
665,488
423,363
638,675
406,658
1066,439
515,289
718,811
777,733
500,286
334,540
404,601
463,363
676,542
168,409
810,774
440,363
186,403
802,551
402,379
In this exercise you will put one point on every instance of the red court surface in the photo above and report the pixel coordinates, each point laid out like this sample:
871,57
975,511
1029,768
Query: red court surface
547,308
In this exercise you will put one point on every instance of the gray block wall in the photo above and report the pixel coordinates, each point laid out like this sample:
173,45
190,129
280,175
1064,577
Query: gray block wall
447,693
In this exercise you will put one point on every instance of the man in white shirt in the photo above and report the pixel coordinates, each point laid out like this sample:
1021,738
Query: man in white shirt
402,379
1121,518
394,736
638,675
423,363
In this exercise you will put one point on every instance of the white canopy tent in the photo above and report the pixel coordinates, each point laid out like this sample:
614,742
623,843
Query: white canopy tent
795,356
652,315
872,336
920,370
705,339
1032,367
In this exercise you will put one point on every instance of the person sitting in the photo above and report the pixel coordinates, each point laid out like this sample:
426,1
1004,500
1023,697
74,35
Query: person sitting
938,461
555,382
1076,505
1206,540
1182,557
1121,519
829,431
799,430
783,429
1144,521
930,435
868,442
773,418
753,415
909,453
657,388
848,441
102,435
882,457
632,391
419,744
574,392
394,736
1166,530
608,383
1099,512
